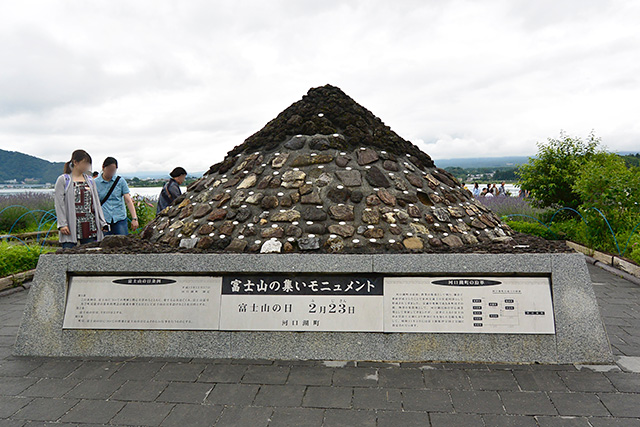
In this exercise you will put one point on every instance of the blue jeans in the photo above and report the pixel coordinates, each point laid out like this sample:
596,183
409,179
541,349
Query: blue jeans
69,245
119,227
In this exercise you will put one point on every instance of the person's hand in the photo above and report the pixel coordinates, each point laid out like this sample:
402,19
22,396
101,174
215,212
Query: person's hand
65,230
134,224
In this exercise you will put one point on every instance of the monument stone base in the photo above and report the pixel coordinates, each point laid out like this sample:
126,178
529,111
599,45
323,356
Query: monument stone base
577,333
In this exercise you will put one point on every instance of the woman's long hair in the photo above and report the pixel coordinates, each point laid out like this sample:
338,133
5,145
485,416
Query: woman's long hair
76,156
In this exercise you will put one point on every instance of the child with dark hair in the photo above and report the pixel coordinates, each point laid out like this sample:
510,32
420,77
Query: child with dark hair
171,190
79,214
114,194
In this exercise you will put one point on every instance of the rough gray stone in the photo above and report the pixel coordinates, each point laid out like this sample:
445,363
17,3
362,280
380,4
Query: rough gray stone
580,336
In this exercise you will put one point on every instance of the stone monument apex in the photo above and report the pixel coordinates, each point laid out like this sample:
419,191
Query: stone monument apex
326,175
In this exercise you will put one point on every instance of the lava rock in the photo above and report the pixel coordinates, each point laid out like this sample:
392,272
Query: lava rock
413,243
390,165
311,213
342,230
279,160
237,245
271,246
295,143
309,243
269,202
307,160
371,216
341,213
367,156
357,196
386,197
201,210
312,198
248,182
452,241
376,178
217,214
317,228
338,195
350,178
342,161
286,216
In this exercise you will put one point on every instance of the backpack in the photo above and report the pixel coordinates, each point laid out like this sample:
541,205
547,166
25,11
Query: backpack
168,195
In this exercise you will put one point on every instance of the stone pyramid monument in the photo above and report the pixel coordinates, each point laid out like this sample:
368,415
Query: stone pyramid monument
326,175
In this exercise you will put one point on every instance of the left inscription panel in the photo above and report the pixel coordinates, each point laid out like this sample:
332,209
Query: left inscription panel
143,302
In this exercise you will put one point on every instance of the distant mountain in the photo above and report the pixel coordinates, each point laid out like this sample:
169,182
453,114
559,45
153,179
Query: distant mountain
19,166
483,162
631,157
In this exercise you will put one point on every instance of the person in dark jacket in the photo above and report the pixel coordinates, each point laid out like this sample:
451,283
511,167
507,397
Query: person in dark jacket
171,189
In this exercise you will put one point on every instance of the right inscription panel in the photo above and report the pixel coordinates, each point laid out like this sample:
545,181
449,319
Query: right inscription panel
485,305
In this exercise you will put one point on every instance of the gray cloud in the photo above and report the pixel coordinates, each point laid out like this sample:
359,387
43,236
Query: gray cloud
159,83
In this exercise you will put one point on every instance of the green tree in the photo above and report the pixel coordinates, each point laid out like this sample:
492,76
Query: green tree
632,160
551,175
458,172
606,183
508,174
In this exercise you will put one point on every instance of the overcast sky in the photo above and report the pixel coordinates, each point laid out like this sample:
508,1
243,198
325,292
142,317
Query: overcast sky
159,84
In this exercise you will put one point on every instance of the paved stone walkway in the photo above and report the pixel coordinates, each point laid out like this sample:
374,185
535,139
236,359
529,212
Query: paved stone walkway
185,393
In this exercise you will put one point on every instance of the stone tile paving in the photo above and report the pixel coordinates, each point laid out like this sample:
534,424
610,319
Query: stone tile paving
159,392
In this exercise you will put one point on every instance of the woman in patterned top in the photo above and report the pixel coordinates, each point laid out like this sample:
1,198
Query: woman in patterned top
80,216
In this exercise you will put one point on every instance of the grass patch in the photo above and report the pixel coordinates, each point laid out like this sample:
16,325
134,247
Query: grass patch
16,258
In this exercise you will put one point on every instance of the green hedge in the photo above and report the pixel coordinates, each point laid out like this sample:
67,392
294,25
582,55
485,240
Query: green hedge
577,231
533,228
16,258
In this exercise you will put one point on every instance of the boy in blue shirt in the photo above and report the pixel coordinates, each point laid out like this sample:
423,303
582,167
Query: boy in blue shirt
114,194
